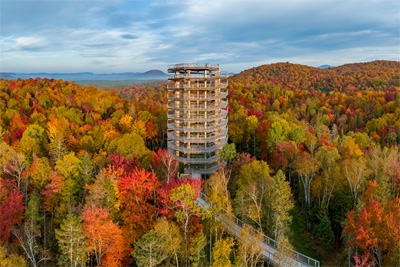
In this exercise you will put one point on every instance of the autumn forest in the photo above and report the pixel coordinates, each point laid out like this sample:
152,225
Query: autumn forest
313,161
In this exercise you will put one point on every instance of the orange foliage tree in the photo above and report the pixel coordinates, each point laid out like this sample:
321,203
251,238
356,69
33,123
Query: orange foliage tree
105,238
376,230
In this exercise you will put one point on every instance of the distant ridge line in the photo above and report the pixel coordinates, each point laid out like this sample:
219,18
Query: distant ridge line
85,76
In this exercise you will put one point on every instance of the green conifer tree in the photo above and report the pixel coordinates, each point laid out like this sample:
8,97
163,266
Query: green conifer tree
149,250
71,241
325,233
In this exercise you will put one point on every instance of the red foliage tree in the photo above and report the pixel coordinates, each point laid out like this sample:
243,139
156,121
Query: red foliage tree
52,191
240,160
12,213
283,152
164,165
168,207
262,131
178,201
127,165
363,261
137,195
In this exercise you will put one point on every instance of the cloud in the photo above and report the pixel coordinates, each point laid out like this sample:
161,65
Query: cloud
136,35
129,36
27,44
96,62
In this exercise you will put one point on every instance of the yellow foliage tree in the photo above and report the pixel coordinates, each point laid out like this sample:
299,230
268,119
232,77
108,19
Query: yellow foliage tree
249,247
222,250
139,127
284,256
10,260
173,239
125,123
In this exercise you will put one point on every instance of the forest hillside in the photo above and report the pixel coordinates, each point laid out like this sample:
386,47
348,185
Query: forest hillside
313,161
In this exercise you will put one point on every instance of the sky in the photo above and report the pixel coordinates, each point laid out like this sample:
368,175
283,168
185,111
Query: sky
138,35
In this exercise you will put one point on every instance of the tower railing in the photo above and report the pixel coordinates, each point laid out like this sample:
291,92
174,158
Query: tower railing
194,149
199,107
217,126
205,170
202,118
192,65
189,96
220,75
196,139
197,86
197,160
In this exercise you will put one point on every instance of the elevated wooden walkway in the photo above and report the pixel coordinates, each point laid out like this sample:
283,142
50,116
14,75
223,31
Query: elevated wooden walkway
233,225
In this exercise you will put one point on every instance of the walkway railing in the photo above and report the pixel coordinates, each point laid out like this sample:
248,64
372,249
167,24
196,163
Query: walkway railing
300,259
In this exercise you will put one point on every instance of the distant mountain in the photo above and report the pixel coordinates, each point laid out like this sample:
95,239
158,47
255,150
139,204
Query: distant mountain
326,66
90,76
7,75
152,74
